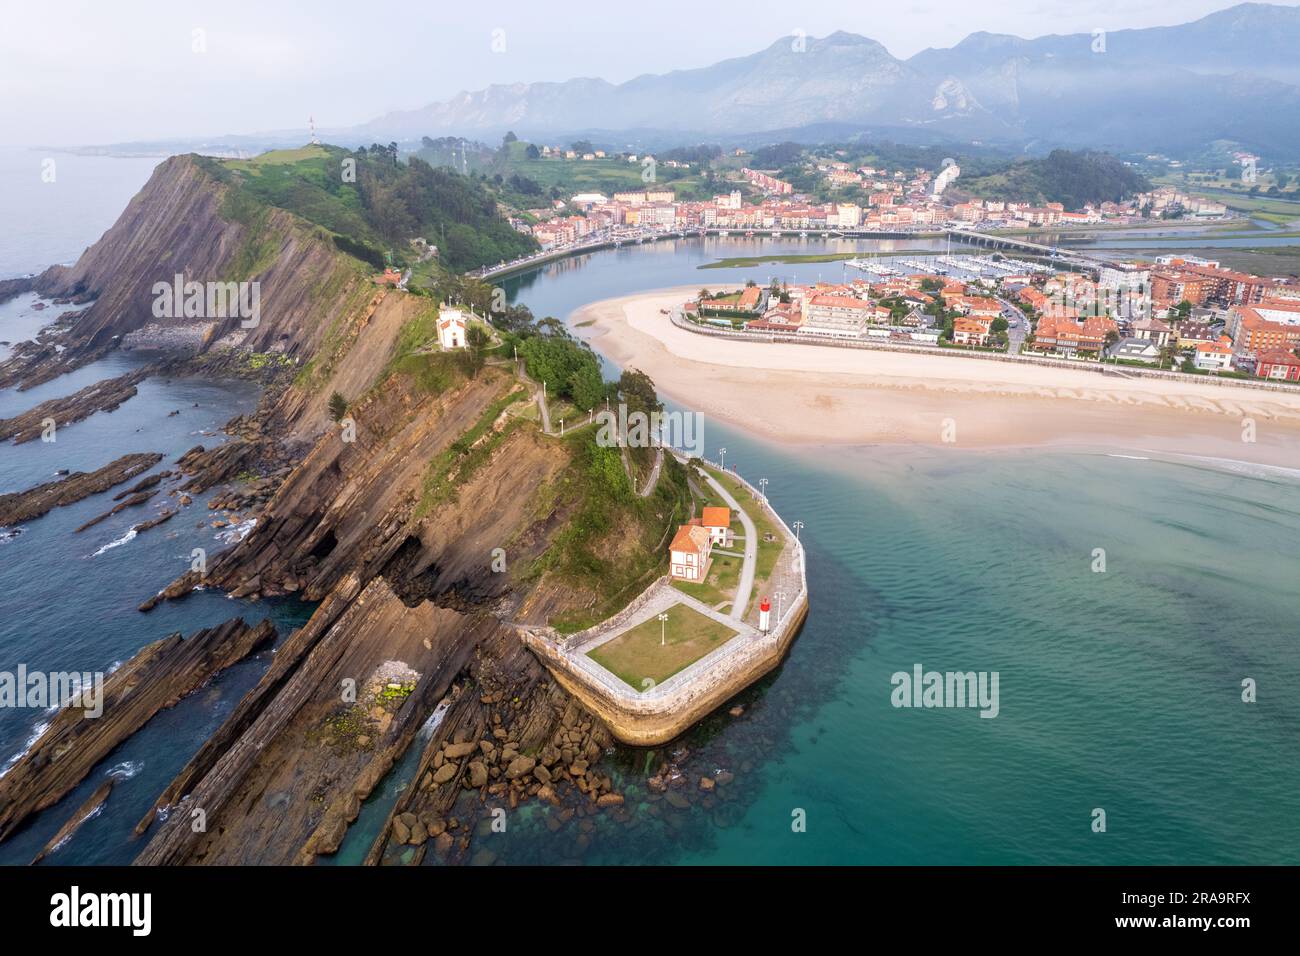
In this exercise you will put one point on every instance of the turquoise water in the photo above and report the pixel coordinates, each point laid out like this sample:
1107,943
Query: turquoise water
1118,690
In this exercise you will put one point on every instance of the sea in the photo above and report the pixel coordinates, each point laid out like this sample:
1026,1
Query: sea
1139,612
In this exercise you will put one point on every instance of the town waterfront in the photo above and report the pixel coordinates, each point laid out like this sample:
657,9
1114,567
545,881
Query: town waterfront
1120,689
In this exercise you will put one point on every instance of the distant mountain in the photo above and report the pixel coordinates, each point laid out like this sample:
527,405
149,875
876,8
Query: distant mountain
1229,76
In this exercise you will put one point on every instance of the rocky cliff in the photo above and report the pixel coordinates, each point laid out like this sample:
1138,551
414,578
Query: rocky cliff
187,222
428,526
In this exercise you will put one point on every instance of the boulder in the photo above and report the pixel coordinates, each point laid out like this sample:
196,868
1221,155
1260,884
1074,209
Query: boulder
519,766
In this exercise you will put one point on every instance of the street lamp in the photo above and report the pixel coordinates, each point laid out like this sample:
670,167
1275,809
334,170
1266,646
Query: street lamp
723,452
762,489
797,526
663,629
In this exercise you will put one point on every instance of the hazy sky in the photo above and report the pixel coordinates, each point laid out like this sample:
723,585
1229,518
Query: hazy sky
102,72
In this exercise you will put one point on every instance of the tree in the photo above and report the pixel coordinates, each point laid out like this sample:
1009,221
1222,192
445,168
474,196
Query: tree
475,354
998,325
509,138
532,152
637,389
338,407
585,386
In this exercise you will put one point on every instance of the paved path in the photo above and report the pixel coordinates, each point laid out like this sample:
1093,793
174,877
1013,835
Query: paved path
538,394
654,474
746,584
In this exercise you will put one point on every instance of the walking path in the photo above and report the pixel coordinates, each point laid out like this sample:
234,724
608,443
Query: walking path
539,394
654,474
746,583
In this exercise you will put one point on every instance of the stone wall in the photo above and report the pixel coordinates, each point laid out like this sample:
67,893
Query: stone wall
655,716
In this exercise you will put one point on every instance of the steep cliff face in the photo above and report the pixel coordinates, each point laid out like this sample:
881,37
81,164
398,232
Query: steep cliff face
184,221
428,524
425,538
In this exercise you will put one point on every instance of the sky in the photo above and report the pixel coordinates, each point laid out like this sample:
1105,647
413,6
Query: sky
77,73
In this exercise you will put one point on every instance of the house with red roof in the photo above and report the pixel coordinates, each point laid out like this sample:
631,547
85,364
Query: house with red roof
1280,366
717,522
690,553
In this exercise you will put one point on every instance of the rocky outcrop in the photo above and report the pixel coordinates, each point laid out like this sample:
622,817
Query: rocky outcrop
82,814
187,220
154,679
103,396
20,506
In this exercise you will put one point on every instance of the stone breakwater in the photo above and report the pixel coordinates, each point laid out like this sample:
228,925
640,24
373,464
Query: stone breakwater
661,713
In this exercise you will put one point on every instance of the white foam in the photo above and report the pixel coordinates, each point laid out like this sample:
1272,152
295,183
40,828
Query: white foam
124,770
125,539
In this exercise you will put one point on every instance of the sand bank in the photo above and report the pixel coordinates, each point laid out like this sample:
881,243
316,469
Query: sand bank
806,394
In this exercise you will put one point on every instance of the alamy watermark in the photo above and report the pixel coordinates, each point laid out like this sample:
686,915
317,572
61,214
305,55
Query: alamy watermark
637,429
44,689
179,299
924,689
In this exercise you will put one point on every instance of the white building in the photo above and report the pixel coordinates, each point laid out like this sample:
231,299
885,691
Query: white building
1214,356
945,177
451,328
690,553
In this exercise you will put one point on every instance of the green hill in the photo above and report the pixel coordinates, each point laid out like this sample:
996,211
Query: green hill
1071,178
374,204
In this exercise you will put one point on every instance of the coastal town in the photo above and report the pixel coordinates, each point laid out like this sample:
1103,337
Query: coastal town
884,201
1179,313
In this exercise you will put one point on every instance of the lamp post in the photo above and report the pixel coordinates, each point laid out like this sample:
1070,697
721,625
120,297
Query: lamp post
762,489
663,629
797,526
723,452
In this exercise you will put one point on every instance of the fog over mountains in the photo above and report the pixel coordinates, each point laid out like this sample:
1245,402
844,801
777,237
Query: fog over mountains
1232,76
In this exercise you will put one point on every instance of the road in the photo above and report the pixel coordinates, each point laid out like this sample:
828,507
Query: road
746,584
1015,333
653,478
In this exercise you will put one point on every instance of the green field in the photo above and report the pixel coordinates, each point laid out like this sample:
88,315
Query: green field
637,655
720,584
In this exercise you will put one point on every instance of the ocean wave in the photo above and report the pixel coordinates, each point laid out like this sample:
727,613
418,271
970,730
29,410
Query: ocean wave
124,770
125,539
35,735
237,533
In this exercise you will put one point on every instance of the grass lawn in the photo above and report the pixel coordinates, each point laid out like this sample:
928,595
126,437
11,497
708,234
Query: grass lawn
720,585
637,654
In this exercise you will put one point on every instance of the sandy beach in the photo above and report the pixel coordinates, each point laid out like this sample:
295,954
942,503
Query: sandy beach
806,394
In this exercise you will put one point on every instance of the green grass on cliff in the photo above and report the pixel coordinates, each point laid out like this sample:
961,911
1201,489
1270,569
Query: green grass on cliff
458,463
614,544
375,207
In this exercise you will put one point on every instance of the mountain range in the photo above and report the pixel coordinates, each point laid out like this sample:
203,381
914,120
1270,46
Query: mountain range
1231,77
